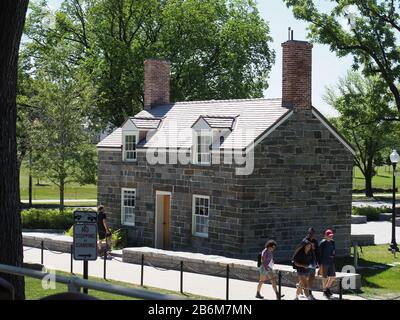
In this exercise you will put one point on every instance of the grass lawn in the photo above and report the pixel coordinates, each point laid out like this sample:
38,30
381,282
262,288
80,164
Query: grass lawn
35,291
48,190
382,180
380,272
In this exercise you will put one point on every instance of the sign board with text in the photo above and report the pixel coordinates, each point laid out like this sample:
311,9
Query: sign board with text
85,241
85,216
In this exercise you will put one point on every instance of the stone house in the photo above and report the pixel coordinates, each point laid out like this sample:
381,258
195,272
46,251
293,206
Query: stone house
222,177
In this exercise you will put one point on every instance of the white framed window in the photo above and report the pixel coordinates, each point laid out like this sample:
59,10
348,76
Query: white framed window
201,209
203,148
128,203
130,141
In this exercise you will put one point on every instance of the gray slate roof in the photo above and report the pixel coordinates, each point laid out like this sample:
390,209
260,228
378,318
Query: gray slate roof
253,118
146,122
220,122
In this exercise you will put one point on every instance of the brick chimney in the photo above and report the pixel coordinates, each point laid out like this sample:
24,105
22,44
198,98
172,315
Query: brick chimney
156,82
297,74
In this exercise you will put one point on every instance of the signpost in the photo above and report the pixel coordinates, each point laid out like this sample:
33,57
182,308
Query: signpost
85,239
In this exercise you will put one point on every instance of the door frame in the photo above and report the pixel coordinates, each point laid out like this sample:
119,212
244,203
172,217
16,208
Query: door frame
160,193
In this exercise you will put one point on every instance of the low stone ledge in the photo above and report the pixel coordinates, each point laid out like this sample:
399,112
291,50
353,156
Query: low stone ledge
385,216
363,239
217,265
358,219
54,242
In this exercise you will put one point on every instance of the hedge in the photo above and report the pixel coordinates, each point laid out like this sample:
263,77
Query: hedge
47,219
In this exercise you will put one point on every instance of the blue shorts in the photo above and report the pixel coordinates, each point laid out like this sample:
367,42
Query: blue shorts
264,272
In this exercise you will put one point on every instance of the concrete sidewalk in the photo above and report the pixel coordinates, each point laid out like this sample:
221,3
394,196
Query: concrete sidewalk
208,286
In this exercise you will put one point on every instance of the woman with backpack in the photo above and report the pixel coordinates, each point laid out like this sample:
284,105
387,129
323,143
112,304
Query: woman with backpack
304,263
266,268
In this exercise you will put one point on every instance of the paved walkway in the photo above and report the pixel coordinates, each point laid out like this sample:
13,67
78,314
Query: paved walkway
208,286
381,229
57,200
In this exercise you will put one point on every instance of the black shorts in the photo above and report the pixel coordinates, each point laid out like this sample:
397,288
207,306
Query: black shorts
328,270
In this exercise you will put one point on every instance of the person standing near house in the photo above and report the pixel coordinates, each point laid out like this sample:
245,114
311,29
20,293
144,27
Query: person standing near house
304,263
103,230
327,253
315,249
267,269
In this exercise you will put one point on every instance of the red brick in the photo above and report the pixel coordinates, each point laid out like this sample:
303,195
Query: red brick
297,74
156,82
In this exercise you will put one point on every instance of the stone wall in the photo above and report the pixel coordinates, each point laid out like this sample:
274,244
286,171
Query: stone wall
302,178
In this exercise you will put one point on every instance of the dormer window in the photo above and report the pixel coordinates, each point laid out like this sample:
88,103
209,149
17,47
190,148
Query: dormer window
210,132
134,132
130,147
204,141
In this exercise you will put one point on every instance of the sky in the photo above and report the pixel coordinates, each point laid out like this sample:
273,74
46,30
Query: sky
327,67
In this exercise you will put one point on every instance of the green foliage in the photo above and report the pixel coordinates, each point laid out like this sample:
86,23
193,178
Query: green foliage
361,102
366,29
47,219
371,213
218,48
119,238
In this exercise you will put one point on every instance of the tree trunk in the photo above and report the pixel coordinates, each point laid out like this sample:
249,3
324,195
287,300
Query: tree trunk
30,179
368,186
62,188
12,18
369,173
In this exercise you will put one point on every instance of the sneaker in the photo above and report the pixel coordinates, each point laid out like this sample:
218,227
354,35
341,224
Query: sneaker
311,297
326,295
259,296
329,292
296,298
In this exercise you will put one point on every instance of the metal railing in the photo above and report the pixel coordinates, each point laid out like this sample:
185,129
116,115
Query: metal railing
75,284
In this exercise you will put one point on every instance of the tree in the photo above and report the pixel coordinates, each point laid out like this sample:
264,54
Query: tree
62,146
218,48
12,17
367,29
360,101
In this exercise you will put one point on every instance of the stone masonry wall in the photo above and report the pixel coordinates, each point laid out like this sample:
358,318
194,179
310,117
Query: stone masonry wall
302,178
217,181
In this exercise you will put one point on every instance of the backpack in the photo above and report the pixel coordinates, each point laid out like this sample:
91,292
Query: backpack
259,260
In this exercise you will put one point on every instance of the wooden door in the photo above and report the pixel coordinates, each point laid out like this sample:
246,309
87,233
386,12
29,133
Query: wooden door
166,221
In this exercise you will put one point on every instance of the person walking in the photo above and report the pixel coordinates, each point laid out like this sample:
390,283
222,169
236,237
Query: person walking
304,262
266,269
315,249
103,232
327,253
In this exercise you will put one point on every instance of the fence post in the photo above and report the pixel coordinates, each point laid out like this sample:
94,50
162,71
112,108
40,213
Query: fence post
340,289
227,282
72,258
355,255
280,284
142,269
41,252
105,265
181,276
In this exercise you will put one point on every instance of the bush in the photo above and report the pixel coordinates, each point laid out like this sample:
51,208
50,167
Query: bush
47,219
371,213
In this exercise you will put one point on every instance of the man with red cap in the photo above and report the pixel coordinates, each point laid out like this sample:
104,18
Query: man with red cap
327,268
